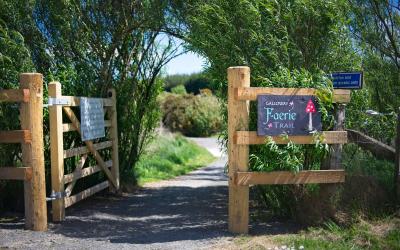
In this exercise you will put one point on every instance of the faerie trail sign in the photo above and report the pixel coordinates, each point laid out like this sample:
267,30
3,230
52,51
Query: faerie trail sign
292,115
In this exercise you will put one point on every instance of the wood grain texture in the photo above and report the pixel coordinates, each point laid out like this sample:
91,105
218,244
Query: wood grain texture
16,173
90,146
75,101
84,172
16,136
31,116
251,138
56,152
68,127
78,169
377,148
250,93
69,201
335,154
112,115
84,150
287,177
14,95
238,155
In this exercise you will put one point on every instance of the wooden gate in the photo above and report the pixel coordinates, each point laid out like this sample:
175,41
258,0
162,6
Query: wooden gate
63,184
30,97
239,139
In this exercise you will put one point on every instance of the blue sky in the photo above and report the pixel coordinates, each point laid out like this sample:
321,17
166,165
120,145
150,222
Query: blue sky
185,64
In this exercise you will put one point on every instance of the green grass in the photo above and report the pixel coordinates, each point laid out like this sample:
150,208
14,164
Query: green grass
170,156
359,162
382,234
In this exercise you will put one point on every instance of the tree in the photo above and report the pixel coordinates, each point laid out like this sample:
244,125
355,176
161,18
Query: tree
15,57
286,44
96,45
376,26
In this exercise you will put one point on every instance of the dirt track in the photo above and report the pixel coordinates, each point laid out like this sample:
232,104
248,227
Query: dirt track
189,212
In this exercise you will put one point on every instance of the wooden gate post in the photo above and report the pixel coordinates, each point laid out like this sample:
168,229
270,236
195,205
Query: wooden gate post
56,151
112,114
336,154
238,155
31,116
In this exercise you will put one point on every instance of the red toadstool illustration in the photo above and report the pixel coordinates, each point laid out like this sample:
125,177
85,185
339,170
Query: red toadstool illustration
310,109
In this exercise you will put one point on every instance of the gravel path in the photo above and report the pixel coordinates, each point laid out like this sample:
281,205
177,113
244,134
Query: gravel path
211,144
188,212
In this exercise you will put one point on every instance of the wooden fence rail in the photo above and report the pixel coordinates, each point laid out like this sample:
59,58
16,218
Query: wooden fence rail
31,138
377,148
239,139
14,95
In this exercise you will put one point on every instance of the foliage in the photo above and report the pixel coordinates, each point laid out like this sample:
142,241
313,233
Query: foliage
375,25
286,44
179,90
89,46
379,234
192,115
195,85
95,46
15,58
193,82
361,163
171,81
381,127
170,156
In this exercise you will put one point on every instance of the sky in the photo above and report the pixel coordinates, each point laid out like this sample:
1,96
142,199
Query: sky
185,64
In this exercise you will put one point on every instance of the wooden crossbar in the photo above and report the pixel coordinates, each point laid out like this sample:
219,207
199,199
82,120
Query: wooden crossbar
84,150
250,93
77,170
84,172
377,148
75,101
16,173
15,136
90,146
14,95
69,201
251,137
287,177
68,127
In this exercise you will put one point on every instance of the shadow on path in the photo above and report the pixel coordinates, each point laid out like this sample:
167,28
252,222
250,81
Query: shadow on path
190,208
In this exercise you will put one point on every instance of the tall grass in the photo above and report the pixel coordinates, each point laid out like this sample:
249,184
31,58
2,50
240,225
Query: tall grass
359,162
380,234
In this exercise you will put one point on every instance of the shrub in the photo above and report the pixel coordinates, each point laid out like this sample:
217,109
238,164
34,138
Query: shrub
192,115
179,90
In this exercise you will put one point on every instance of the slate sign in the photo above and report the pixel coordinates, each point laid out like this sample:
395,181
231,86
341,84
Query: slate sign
347,80
292,115
92,118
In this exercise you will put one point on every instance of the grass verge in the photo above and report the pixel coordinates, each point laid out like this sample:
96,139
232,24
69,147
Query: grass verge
169,156
380,234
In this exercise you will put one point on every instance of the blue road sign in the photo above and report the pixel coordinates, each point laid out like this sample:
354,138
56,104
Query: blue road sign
347,80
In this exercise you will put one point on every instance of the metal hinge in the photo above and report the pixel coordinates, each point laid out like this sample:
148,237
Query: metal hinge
56,195
57,101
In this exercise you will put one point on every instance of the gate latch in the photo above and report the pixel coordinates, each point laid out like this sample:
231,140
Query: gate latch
56,195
